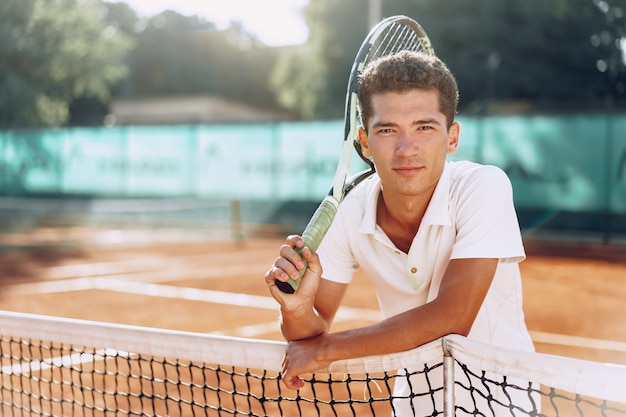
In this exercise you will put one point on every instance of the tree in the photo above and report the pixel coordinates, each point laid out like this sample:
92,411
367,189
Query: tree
547,52
556,53
55,51
187,55
311,80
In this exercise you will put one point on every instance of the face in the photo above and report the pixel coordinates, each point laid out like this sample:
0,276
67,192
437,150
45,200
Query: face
408,139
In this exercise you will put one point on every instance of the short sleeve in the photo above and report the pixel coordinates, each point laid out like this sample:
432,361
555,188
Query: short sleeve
485,217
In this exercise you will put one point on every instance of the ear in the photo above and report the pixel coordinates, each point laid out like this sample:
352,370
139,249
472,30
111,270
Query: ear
364,142
453,137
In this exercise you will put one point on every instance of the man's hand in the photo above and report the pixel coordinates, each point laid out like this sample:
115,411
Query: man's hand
303,357
288,264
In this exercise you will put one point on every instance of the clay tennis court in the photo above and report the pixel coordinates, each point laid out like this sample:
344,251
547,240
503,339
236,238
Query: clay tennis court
574,305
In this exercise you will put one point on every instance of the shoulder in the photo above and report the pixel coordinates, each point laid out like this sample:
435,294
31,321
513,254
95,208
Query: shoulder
357,212
466,176
466,169
358,197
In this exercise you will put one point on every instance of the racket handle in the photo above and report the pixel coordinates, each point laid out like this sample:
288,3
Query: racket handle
313,234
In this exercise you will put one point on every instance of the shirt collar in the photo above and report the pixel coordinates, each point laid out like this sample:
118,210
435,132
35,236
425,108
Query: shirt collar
368,224
436,214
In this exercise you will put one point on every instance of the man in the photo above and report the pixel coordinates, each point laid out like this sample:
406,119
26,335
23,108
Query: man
439,240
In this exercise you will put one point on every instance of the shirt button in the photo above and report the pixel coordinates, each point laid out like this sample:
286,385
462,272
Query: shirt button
413,270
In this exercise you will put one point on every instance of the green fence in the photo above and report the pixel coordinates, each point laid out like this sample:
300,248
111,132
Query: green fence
566,164
285,161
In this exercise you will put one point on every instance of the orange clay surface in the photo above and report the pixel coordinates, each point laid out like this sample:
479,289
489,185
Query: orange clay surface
575,305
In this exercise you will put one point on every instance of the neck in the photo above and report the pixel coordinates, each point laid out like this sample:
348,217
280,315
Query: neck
400,219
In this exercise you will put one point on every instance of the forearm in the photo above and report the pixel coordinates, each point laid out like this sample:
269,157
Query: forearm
454,310
461,295
395,334
384,337
303,323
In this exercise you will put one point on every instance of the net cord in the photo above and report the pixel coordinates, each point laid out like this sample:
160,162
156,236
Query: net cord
594,379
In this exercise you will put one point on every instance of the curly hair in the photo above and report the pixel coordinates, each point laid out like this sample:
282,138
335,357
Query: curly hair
407,70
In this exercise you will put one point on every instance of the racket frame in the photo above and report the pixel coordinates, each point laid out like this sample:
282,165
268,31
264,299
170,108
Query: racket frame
323,216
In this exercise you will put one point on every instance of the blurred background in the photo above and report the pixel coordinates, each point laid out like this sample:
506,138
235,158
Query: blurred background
227,118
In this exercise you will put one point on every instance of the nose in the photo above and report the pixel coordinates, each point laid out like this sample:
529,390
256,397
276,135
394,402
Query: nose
406,144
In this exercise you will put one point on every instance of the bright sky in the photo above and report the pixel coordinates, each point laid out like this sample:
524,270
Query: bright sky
274,22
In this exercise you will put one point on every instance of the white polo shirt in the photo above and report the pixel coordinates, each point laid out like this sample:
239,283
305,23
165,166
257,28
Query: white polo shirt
471,215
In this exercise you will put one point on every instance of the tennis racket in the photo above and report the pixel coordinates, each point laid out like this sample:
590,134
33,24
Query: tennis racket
390,36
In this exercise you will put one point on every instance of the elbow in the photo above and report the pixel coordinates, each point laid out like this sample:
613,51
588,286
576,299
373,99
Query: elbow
457,316
461,323
463,330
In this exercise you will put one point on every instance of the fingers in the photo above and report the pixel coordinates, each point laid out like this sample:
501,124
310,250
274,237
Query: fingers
301,359
291,251
295,262
313,261
282,270
295,241
289,263
291,380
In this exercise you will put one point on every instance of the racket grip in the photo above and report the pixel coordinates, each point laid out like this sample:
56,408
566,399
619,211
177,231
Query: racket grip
313,234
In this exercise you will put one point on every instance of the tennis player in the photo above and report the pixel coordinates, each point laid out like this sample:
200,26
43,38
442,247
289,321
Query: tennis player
439,240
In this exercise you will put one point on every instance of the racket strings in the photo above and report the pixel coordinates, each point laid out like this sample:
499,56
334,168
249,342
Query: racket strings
397,37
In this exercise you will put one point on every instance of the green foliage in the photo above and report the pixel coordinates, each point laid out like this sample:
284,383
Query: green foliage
54,51
312,80
538,51
59,58
556,53
185,55
291,79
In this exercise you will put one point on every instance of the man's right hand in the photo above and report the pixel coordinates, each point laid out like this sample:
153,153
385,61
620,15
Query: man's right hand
288,264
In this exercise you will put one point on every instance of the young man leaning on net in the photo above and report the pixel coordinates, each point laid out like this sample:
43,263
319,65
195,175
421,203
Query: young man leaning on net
439,240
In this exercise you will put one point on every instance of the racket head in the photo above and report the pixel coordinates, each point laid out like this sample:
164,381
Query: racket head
390,36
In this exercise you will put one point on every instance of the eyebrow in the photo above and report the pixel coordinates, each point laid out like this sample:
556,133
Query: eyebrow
430,121
416,122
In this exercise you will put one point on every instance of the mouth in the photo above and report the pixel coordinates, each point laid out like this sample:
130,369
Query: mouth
408,170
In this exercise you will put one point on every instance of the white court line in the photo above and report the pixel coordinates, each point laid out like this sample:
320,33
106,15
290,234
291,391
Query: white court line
26,368
150,264
143,283
187,294
344,313
220,297
91,283
577,341
129,284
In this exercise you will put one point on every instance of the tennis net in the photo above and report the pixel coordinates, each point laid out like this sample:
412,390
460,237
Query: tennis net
65,220
63,367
